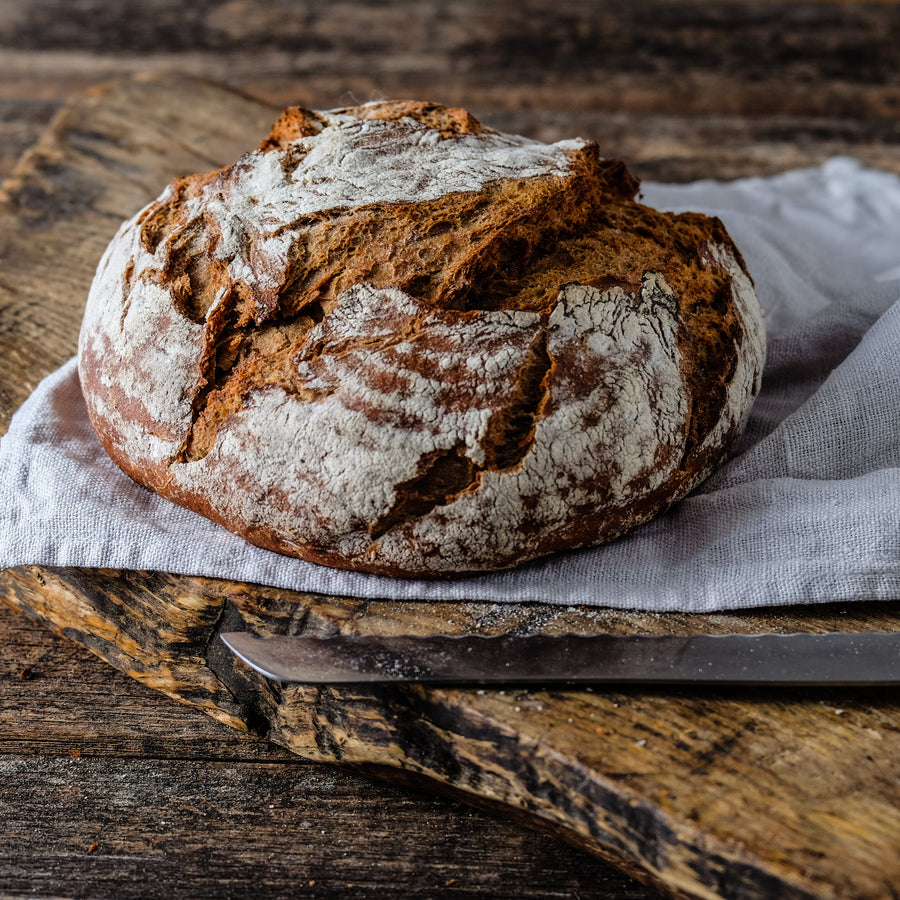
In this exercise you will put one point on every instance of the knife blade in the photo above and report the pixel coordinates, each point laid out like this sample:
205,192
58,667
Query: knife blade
865,658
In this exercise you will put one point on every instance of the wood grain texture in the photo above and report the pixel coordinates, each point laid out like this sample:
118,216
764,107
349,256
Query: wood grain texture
128,835
729,795
680,88
178,804
677,56
712,793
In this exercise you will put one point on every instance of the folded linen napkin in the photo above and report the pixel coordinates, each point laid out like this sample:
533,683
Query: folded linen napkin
806,510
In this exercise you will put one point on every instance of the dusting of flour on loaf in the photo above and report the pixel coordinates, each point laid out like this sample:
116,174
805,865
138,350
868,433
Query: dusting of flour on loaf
352,160
634,412
140,325
396,341
344,455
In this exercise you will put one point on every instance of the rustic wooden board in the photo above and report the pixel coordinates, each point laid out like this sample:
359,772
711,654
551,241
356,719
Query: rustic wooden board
727,793
111,790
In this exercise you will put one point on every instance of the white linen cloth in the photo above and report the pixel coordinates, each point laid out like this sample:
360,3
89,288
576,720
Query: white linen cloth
806,510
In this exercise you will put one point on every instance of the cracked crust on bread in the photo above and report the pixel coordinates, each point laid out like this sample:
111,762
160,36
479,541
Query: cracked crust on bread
396,341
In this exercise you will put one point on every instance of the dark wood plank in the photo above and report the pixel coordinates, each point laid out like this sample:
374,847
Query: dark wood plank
215,829
681,89
57,699
21,124
686,56
735,792
175,802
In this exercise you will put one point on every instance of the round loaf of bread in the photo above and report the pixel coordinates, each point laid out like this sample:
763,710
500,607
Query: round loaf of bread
395,341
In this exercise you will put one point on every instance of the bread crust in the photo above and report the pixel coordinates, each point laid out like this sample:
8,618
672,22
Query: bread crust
395,341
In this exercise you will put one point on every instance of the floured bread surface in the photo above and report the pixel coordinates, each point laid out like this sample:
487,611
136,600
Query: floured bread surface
396,341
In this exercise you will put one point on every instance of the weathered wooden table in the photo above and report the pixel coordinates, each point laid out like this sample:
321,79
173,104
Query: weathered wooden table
112,789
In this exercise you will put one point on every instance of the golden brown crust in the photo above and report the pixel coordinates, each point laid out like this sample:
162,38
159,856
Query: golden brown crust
509,254
511,245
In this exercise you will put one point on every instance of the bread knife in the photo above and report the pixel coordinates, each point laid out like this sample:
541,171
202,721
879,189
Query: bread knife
835,658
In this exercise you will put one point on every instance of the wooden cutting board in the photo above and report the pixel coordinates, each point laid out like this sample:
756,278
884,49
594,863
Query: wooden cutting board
706,793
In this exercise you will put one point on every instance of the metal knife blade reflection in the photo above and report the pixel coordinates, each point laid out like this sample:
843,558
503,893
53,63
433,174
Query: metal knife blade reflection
865,658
